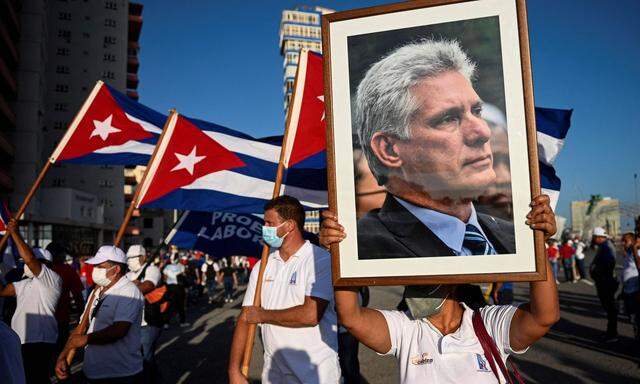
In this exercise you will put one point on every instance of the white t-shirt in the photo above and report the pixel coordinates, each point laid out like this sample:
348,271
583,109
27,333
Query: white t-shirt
36,300
122,302
152,274
629,276
171,273
579,250
11,367
426,356
205,267
285,285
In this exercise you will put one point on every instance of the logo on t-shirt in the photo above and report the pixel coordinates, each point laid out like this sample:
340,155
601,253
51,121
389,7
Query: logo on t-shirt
482,364
421,359
294,277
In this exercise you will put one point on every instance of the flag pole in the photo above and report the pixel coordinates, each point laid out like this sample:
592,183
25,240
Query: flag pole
251,331
52,159
84,322
136,195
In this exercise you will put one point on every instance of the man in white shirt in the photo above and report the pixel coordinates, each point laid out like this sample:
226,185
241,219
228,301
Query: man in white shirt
297,316
435,341
146,277
34,319
174,277
210,271
112,341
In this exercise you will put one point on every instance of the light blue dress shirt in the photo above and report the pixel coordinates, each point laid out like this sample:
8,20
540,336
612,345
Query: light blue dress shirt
447,228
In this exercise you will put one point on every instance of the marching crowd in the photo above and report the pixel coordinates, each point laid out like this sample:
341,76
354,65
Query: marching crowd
128,298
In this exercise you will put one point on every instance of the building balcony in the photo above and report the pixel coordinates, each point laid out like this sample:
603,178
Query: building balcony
132,81
135,9
5,146
133,64
9,43
6,182
130,180
10,8
133,94
135,26
8,79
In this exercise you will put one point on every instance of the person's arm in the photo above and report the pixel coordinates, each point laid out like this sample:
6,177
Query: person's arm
306,315
358,321
534,319
108,335
7,290
23,249
237,350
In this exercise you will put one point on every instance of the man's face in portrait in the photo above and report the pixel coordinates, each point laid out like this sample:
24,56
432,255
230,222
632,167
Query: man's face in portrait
449,153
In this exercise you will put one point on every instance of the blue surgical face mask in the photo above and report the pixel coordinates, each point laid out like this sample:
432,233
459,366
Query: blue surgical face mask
270,236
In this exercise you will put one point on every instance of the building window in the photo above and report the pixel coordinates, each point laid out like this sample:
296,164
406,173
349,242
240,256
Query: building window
109,23
109,40
62,52
108,75
62,69
109,57
64,16
105,183
111,5
58,182
86,35
147,222
62,88
64,34
59,125
61,107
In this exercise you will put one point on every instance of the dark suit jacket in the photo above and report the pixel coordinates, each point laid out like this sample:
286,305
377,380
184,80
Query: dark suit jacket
394,232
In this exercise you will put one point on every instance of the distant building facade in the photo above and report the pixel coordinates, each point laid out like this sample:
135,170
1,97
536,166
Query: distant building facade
65,47
586,215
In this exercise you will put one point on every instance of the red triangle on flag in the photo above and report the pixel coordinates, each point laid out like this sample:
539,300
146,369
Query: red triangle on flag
189,155
104,124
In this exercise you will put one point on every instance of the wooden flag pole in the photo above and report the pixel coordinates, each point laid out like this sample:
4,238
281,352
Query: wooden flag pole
84,322
251,331
54,156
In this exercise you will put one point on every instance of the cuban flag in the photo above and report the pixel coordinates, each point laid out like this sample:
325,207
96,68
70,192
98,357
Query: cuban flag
203,166
112,129
552,126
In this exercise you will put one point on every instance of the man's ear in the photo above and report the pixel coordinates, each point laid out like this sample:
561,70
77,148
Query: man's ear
384,148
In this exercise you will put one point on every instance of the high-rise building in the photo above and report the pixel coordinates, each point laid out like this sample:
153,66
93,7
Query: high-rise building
586,215
299,28
65,47
10,36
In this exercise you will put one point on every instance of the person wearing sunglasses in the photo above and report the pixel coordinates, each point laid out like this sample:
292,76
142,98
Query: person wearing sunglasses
112,342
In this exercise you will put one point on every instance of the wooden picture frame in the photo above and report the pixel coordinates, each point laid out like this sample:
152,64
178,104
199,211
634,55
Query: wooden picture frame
346,35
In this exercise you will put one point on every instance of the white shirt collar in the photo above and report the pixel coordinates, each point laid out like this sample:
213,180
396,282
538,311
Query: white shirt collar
447,228
276,253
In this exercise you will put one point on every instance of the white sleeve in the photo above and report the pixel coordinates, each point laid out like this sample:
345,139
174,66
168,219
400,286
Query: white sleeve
251,287
318,280
497,320
216,267
49,279
395,324
152,274
203,269
18,286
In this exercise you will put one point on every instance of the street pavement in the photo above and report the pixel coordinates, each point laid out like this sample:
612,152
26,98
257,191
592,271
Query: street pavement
570,353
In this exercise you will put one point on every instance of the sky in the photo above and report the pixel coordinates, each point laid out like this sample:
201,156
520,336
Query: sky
220,61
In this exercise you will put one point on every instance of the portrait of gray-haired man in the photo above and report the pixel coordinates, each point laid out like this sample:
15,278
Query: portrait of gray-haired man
419,123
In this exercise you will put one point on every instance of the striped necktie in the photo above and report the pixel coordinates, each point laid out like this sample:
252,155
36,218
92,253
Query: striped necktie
475,241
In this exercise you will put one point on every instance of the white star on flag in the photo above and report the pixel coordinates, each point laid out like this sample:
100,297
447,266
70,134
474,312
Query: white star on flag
321,98
188,161
103,128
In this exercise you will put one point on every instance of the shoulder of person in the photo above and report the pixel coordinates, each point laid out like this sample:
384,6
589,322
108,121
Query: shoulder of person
130,289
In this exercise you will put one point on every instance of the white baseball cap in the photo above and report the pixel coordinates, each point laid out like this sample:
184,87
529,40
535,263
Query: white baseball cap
42,254
108,253
136,250
599,231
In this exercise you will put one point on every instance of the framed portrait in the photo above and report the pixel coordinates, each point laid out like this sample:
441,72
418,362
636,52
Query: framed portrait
431,143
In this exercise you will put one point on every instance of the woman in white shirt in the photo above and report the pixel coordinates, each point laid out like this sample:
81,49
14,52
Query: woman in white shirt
442,346
630,280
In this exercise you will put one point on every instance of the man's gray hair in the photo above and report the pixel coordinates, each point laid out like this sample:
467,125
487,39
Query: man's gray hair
384,102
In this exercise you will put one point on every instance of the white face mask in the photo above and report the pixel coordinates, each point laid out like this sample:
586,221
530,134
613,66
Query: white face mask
28,272
99,276
134,264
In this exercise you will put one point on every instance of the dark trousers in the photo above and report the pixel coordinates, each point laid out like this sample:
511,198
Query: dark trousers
177,303
228,287
348,355
37,358
568,269
581,270
606,289
149,336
